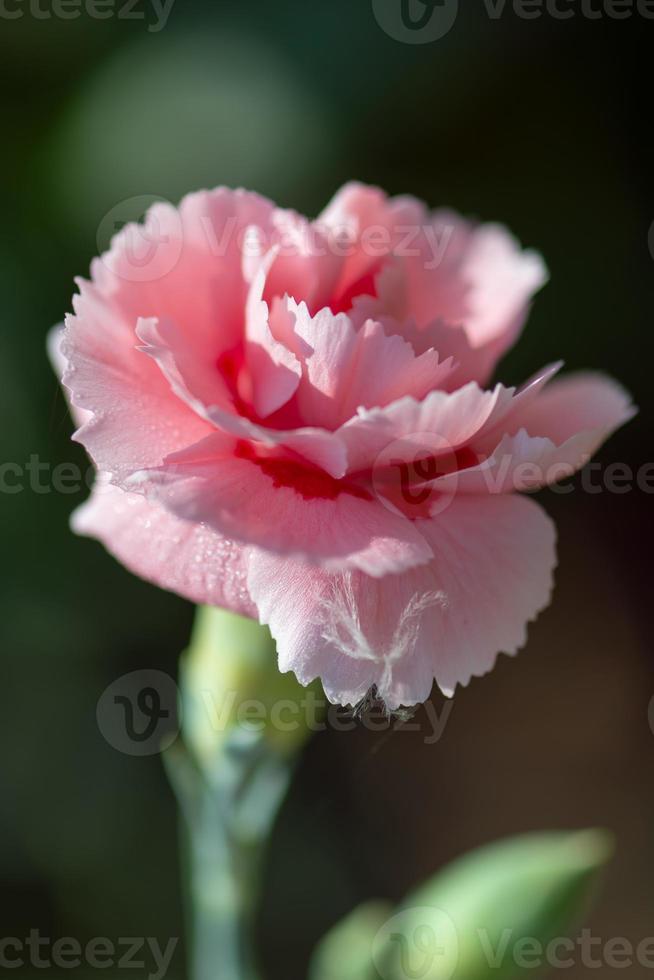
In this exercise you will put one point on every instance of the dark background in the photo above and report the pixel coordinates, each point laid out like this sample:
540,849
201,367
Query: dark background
542,124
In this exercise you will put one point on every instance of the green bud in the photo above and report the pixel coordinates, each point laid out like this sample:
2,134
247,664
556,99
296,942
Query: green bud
231,683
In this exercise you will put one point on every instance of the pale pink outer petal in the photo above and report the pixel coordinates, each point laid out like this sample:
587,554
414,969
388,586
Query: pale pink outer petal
210,485
451,418
560,427
567,421
506,417
59,363
502,279
447,620
132,418
183,266
193,272
475,275
456,276
584,401
189,559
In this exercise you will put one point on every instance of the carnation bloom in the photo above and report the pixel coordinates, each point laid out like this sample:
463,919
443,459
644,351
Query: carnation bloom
289,420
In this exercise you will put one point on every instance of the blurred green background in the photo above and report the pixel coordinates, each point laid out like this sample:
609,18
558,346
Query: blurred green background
542,124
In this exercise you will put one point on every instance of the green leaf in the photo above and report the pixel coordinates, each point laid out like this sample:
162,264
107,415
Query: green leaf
493,913
345,952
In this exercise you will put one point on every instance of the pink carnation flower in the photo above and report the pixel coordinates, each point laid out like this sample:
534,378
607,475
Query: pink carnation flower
289,420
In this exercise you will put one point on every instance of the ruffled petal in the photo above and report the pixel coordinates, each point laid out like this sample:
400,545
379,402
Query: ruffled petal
365,226
200,386
274,370
583,402
446,420
187,265
447,620
131,420
348,368
59,362
466,288
191,560
284,506
182,266
562,425
305,265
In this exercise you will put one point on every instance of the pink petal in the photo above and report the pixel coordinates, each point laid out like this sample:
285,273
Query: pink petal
447,620
509,411
502,280
324,449
348,368
193,275
189,559
274,369
199,386
198,383
370,224
59,362
305,266
448,419
586,402
567,422
132,421
284,507
182,266
474,278
519,462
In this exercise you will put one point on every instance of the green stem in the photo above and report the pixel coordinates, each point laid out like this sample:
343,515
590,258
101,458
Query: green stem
223,875
230,779
228,815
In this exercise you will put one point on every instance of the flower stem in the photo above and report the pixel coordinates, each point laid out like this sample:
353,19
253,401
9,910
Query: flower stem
230,779
227,825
